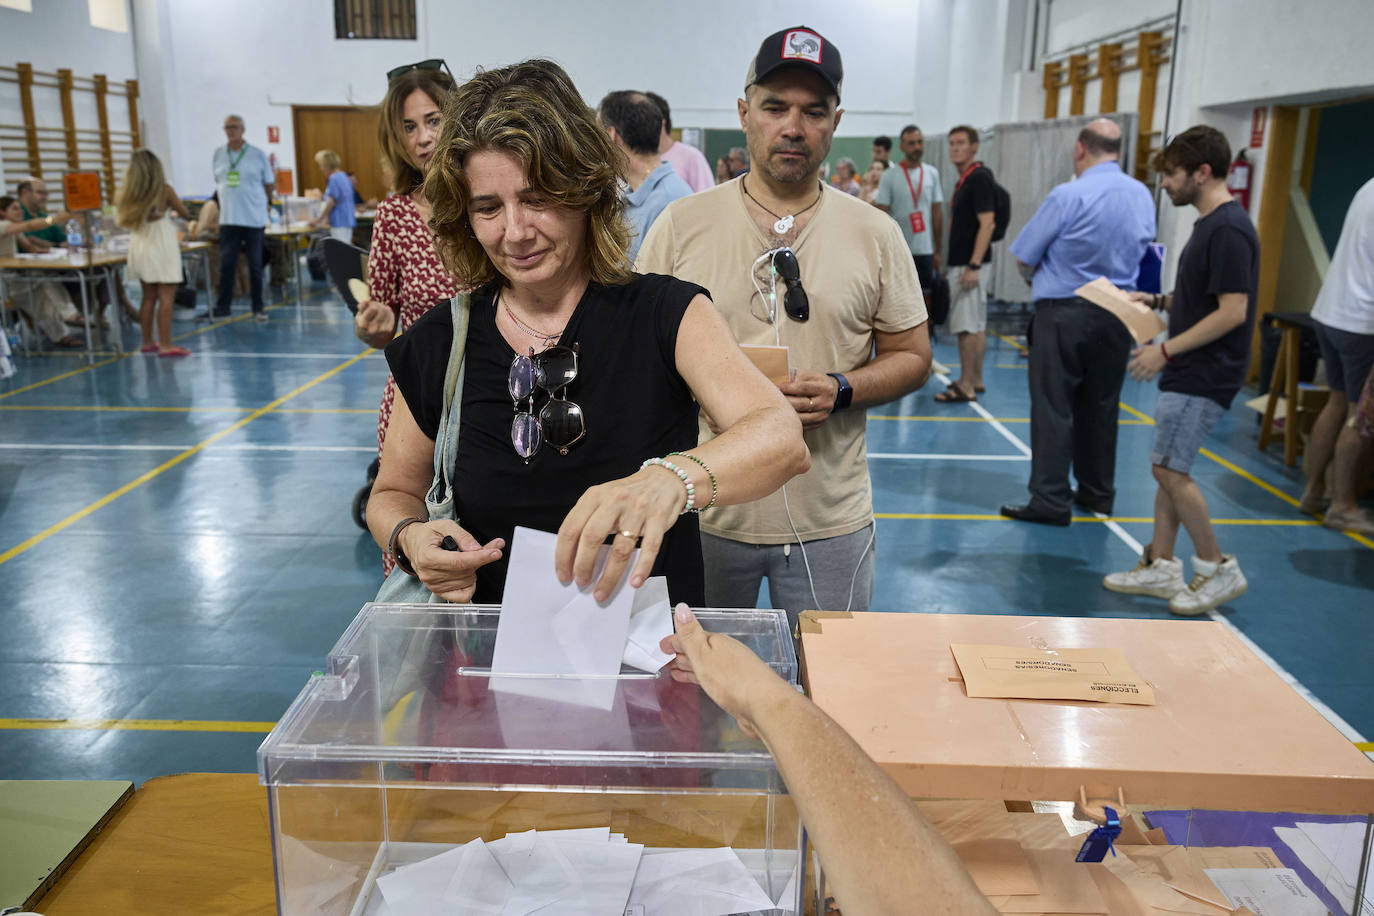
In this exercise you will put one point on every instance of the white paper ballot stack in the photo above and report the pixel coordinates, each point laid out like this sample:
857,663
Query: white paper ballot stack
557,642
587,872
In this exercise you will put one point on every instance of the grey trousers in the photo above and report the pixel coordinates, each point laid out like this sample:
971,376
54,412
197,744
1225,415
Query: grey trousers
1078,355
735,570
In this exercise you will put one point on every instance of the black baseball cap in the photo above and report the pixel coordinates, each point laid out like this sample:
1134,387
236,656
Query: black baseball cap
798,46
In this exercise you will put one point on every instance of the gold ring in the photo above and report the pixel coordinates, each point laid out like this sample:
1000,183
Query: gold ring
810,403
629,534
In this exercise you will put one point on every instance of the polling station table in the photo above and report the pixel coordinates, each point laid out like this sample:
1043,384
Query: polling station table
85,266
1226,734
93,266
290,236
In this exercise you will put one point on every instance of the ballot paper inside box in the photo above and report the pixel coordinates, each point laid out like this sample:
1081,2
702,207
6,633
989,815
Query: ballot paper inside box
400,751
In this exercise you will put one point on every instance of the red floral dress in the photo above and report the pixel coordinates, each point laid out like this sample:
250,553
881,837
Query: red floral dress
407,277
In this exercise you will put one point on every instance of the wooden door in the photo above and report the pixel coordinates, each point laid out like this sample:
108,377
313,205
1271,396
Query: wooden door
350,132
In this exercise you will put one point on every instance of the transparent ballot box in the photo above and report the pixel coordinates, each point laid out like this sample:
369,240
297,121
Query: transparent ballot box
301,209
406,748
1229,789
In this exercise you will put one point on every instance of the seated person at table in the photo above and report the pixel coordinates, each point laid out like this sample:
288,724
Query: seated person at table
879,853
44,302
604,367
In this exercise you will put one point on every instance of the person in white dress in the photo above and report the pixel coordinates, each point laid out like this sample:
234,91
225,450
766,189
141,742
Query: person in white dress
154,254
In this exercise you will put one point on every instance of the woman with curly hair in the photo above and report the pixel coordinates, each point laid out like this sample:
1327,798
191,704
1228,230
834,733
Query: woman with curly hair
564,389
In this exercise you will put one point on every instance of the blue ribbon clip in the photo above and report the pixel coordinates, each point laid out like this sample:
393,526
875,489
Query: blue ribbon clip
1097,843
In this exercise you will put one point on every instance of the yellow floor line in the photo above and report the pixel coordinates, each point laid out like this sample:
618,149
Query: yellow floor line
949,419
133,352
1121,519
137,482
1366,746
1015,343
142,725
76,408
1246,475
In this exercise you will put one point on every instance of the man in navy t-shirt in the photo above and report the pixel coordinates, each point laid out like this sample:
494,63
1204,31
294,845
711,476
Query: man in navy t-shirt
1203,362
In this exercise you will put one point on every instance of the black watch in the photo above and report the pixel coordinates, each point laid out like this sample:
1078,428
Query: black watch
844,395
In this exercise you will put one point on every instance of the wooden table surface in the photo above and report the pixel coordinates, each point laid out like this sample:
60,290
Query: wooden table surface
195,843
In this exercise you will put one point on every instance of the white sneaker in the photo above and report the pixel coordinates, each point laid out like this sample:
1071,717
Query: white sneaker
1158,578
1213,585
260,317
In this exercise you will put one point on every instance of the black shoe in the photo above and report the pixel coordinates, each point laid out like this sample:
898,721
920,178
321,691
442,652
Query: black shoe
1092,505
219,314
1029,513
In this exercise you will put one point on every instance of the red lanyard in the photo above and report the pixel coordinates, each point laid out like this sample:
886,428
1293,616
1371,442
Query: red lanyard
920,183
972,166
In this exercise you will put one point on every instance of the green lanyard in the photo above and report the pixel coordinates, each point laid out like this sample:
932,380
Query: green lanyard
234,163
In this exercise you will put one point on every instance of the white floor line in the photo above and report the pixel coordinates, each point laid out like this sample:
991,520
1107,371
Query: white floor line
996,424
913,456
241,447
1327,712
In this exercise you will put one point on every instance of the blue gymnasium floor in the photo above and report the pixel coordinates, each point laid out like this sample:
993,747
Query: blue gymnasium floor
177,553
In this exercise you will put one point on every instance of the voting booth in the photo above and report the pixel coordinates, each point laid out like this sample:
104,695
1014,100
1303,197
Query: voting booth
407,769
1229,788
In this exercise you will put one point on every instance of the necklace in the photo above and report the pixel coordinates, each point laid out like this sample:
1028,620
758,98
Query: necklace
784,224
537,335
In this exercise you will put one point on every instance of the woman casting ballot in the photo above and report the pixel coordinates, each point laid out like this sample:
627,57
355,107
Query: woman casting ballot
578,399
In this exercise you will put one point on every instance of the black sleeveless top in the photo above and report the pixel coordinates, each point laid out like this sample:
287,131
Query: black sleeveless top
634,403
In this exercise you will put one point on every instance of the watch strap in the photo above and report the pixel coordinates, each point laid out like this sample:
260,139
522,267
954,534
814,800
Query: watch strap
845,395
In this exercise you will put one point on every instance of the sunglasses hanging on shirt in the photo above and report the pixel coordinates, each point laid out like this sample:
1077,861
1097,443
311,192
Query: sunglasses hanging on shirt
782,265
560,423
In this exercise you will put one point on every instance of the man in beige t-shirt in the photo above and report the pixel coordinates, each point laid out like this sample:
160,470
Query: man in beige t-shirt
863,340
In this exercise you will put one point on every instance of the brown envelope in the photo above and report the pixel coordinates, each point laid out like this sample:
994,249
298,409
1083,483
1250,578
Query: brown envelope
1097,675
1143,322
984,838
1173,866
1066,886
771,361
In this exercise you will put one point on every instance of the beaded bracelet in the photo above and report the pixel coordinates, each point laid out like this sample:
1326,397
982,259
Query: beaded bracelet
709,473
681,475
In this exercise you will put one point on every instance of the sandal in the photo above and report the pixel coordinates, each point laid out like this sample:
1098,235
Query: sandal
1315,506
149,348
955,395
174,351
69,342
1359,521
979,390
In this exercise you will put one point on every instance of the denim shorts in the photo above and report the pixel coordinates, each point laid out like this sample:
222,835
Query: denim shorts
1348,358
1182,424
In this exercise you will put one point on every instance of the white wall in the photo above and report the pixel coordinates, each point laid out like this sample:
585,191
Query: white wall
258,57
58,35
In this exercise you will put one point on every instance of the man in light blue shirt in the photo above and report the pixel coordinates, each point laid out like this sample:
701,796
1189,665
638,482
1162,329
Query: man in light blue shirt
635,124
243,179
1096,226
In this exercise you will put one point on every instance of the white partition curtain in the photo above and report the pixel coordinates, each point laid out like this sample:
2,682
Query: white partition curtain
1028,158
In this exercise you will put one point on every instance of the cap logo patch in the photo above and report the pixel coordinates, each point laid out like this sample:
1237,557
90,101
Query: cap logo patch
802,45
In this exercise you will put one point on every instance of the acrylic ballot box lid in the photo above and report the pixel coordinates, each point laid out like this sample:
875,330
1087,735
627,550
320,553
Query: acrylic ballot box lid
407,688
1226,731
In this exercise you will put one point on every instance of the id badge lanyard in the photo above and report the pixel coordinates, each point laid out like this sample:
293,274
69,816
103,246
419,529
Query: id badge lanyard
231,178
918,220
